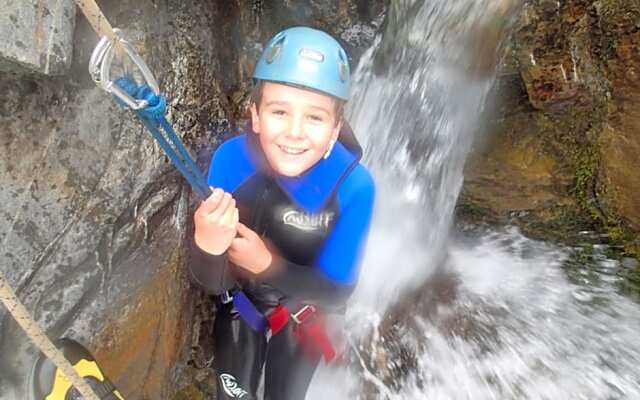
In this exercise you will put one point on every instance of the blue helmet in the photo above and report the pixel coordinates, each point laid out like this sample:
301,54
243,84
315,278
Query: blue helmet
306,57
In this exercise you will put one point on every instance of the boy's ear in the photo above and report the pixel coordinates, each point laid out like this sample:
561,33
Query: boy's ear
336,131
255,118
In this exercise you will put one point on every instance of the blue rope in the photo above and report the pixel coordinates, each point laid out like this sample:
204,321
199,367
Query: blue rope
153,118
198,187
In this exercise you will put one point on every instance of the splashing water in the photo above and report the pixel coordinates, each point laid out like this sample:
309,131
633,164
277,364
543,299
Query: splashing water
494,316
511,318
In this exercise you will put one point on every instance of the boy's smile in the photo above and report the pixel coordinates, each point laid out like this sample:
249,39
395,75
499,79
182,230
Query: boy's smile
295,126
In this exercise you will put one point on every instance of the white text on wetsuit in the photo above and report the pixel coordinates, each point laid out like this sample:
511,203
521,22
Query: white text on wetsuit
307,221
231,387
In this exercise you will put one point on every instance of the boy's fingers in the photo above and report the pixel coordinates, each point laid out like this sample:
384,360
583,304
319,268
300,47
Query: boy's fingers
211,202
234,254
231,253
233,217
236,217
242,229
226,201
245,231
237,244
228,216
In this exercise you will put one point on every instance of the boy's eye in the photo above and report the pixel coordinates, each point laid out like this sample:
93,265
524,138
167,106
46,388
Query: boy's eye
316,118
280,113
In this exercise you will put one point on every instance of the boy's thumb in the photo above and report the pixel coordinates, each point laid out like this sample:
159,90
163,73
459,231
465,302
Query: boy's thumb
243,230
247,232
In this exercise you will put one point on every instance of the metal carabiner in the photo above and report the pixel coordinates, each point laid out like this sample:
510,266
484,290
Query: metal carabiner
97,56
100,66
226,297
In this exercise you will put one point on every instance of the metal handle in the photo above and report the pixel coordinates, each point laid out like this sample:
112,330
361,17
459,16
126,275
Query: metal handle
100,67
303,314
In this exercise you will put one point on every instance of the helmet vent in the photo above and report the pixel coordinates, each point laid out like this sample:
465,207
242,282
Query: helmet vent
272,54
276,48
344,73
312,55
343,66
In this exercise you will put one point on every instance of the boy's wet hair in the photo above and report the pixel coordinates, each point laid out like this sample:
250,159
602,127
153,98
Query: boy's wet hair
256,98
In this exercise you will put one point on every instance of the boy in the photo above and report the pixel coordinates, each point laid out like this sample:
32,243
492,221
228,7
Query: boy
282,235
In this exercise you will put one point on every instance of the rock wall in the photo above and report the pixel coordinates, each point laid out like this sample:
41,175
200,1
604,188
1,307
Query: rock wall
36,35
94,217
561,155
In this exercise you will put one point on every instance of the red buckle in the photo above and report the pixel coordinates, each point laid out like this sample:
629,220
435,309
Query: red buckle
303,314
312,334
278,319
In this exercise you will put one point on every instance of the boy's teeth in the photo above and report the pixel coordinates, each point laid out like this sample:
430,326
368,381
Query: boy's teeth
292,150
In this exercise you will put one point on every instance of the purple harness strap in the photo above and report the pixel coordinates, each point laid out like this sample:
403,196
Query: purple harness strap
248,312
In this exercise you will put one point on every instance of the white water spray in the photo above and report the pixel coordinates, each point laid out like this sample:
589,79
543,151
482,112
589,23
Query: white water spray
503,321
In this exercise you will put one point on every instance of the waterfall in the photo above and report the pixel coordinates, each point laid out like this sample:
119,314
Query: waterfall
418,95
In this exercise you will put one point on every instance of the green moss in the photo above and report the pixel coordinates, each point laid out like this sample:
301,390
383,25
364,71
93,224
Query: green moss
586,161
620,235
616,233
189,393
572,138
473,213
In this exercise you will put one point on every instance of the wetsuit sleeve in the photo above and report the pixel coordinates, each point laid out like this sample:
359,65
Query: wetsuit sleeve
333,276
305,284
209,271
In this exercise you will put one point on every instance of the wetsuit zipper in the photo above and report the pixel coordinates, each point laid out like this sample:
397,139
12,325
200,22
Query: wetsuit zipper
260,222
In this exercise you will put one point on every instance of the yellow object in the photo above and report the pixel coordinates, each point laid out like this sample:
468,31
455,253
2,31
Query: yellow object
85,368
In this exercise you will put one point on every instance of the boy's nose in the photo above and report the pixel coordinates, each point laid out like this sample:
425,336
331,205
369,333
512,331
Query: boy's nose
295,129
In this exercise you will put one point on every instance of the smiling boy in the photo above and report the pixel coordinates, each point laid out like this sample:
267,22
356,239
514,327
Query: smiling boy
282,235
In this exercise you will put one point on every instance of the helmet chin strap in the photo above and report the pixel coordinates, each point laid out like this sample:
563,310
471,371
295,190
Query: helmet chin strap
328,153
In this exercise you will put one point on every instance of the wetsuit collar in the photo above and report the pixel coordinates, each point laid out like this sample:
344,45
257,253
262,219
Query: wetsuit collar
313,189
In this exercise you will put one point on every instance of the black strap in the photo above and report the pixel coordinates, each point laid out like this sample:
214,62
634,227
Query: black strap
105,390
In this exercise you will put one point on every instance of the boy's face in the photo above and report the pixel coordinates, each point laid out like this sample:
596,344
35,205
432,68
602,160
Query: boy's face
295,127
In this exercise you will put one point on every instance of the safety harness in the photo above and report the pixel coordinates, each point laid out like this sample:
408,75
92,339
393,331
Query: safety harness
309,329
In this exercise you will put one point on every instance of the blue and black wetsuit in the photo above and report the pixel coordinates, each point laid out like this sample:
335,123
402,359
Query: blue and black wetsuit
318,223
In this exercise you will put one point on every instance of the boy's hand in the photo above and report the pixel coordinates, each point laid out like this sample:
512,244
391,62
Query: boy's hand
216,222
249,251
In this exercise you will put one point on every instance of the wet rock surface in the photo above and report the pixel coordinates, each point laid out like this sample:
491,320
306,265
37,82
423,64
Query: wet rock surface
559,156
94,217
36,36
